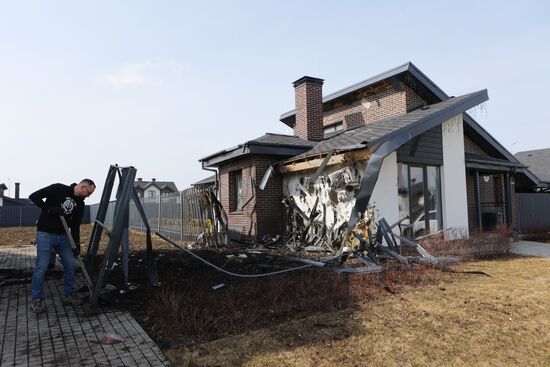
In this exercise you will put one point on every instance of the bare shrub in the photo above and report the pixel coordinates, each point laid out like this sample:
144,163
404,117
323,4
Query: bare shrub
188,309
495,243
492,244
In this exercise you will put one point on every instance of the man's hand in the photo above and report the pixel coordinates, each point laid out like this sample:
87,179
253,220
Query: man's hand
56,211
76,250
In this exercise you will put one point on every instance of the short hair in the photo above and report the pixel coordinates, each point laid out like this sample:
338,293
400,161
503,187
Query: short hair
87,181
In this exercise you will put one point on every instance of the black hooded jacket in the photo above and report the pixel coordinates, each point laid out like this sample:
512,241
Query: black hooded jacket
59,196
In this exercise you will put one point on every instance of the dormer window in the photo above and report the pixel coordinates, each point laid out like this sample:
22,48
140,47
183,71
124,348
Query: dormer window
330,129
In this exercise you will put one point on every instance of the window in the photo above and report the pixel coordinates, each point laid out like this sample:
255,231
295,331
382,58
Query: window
333,128
419,197
151,193
235,190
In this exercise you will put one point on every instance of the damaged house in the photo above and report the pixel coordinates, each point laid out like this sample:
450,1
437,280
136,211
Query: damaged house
394,146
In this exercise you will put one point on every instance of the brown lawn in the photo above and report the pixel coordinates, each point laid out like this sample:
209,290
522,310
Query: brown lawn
474,320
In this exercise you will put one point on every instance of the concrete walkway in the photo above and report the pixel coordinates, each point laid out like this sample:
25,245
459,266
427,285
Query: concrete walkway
530,248
63,335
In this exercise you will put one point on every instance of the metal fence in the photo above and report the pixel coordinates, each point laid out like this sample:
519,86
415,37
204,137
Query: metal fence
534,212
181,216
26,216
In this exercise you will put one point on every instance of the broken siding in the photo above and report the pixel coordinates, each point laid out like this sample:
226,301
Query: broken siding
425,149
335,191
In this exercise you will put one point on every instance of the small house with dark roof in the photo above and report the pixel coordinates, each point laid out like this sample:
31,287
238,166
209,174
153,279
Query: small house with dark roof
538,162
154,188
394,143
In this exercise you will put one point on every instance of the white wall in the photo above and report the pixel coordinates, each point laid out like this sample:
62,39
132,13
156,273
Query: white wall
453,179
384,197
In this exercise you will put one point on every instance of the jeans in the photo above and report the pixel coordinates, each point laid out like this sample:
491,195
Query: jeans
45,243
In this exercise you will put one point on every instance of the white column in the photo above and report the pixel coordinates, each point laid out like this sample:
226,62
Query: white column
384,196
453,179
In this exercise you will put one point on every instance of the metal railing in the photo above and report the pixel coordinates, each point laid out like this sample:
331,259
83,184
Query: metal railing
181,216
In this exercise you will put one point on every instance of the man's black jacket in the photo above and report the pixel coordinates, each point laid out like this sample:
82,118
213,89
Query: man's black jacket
59,198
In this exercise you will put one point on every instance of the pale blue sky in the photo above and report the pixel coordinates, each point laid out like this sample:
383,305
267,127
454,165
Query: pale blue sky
160,84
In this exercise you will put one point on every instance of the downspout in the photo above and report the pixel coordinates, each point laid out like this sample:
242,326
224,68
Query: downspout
215,173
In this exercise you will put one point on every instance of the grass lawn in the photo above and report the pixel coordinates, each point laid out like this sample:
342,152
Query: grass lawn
473,320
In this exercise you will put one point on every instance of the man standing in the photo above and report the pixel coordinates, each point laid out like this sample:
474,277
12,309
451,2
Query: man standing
67,201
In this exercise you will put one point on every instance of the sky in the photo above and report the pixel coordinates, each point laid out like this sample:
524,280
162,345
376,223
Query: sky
160,84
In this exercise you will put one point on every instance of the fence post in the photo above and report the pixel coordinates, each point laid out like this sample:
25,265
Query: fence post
160,205
181,216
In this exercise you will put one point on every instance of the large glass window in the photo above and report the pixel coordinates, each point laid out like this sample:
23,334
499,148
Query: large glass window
419,196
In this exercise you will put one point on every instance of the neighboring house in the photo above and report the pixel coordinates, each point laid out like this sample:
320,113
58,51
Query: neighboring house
3,188
206,182
538,162
154,188
17,201
426,158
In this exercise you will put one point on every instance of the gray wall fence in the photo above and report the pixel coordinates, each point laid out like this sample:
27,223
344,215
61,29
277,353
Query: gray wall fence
27,215
534,212
181,216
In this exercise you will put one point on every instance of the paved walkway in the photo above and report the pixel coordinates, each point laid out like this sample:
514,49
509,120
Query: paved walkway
530,248
63,335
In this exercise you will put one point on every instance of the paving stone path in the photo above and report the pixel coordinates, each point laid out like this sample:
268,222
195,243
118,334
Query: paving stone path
63,335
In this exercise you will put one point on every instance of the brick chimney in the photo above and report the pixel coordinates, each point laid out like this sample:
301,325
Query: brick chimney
309,108
17,184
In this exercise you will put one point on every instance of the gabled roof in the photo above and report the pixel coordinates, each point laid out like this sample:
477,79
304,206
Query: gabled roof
269,144
289,117
409,125
161,185
206,181
438,94
538,162
3,186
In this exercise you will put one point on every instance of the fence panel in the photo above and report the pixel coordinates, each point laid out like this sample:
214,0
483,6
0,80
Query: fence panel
18,216
534,212
183,215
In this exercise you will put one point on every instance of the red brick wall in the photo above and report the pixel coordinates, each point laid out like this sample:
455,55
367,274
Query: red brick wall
265,212
388,103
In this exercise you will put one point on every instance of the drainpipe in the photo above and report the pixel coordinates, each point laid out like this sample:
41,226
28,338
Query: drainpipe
215,173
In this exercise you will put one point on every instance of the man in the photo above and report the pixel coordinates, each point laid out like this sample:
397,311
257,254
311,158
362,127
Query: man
51,237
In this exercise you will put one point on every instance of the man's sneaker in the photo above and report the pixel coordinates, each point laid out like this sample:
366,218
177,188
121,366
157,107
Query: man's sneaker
38,306
73,299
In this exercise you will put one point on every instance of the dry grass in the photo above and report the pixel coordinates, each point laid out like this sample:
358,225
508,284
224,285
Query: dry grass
502,320
198,313
17,236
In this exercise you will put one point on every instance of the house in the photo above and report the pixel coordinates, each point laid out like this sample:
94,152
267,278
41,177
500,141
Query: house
538,162
154,188
209,181
17,201
394,144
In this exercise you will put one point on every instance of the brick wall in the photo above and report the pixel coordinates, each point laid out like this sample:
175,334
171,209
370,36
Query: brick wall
471,147
388,103
309,108
264,214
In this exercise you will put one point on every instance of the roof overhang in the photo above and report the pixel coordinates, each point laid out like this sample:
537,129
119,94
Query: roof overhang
252,148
